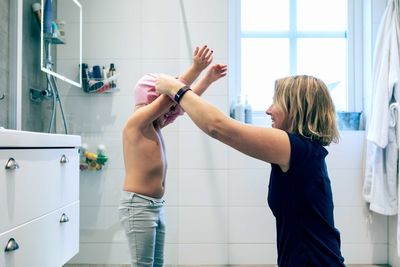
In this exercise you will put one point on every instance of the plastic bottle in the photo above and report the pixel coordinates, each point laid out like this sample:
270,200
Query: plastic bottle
85,77
48,16
37,9
248,112
104,73
239,109
111,72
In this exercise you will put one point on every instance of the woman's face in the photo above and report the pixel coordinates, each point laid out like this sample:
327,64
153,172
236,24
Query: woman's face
279,118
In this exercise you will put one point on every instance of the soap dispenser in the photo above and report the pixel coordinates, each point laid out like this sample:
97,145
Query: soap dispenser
248,112
239,109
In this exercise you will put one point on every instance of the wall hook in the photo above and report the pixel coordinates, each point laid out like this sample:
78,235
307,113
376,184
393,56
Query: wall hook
2,96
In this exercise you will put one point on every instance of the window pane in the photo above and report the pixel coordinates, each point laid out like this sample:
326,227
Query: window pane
321,15
326,59
263,61
265,15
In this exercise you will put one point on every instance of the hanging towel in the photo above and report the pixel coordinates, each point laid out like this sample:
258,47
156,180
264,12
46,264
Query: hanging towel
386,73
381,173
380,184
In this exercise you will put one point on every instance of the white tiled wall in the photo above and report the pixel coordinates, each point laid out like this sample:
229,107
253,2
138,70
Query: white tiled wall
216,197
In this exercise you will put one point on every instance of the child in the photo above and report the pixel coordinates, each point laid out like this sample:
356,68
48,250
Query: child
141,208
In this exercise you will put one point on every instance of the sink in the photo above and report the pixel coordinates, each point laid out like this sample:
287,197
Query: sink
16,138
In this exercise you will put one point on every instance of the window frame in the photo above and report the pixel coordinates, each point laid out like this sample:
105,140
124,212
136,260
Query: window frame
354,52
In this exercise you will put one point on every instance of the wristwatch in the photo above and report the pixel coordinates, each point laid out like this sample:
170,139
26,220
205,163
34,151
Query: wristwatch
180,93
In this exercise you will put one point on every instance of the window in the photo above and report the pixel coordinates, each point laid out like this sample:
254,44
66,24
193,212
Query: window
270,39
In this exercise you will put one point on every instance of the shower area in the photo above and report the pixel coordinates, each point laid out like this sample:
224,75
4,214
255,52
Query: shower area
34,103
216,209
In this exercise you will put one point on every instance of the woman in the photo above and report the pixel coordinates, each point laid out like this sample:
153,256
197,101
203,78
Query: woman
299,195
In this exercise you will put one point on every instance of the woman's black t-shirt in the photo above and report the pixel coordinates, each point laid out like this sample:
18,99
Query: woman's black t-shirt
301,201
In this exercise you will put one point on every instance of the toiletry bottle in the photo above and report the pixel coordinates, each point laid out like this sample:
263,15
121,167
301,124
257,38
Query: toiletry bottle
85,77
239,110
96,72
48,16
248,112
37,9
111,72
104,73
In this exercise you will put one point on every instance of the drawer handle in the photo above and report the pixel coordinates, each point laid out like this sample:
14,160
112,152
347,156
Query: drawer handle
12,245
11,164
64,218
64,159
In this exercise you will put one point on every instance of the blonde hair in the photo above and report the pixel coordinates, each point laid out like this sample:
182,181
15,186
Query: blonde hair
309,106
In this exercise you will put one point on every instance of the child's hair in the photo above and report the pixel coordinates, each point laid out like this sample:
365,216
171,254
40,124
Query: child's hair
309,106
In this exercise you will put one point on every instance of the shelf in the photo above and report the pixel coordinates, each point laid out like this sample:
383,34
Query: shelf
100,86
54,39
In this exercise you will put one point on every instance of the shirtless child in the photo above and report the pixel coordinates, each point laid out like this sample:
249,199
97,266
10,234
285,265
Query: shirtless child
141,208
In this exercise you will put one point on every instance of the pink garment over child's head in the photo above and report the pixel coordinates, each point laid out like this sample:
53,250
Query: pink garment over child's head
145,93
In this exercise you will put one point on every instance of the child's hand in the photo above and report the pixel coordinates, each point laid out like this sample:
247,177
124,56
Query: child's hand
216,72
202,58
166,84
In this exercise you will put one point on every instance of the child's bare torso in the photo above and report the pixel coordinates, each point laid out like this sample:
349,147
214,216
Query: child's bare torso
145,161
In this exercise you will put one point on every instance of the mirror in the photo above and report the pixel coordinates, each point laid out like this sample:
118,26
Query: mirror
61,39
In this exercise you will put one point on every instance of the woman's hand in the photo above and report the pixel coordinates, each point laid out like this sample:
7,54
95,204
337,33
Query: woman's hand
216,72
202,58
166,84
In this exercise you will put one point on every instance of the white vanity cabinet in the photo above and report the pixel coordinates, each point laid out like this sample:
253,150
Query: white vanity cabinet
39,199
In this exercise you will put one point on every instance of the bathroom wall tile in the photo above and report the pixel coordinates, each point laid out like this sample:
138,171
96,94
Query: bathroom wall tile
171,141
357,225
171,196
171,254
203,225
341,157
203,254
101,188
153,36
102,253
393,258
199,151
220,87
166,11
107,114
251,225
126,11
103,40
392,230
69,10
172,225
252,254
361,253
238,160
100,225
186,124
203,187
347,187
248,187
171,66
201,12
215,35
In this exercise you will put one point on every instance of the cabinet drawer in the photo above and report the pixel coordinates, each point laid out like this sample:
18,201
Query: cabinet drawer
44,242
41,183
